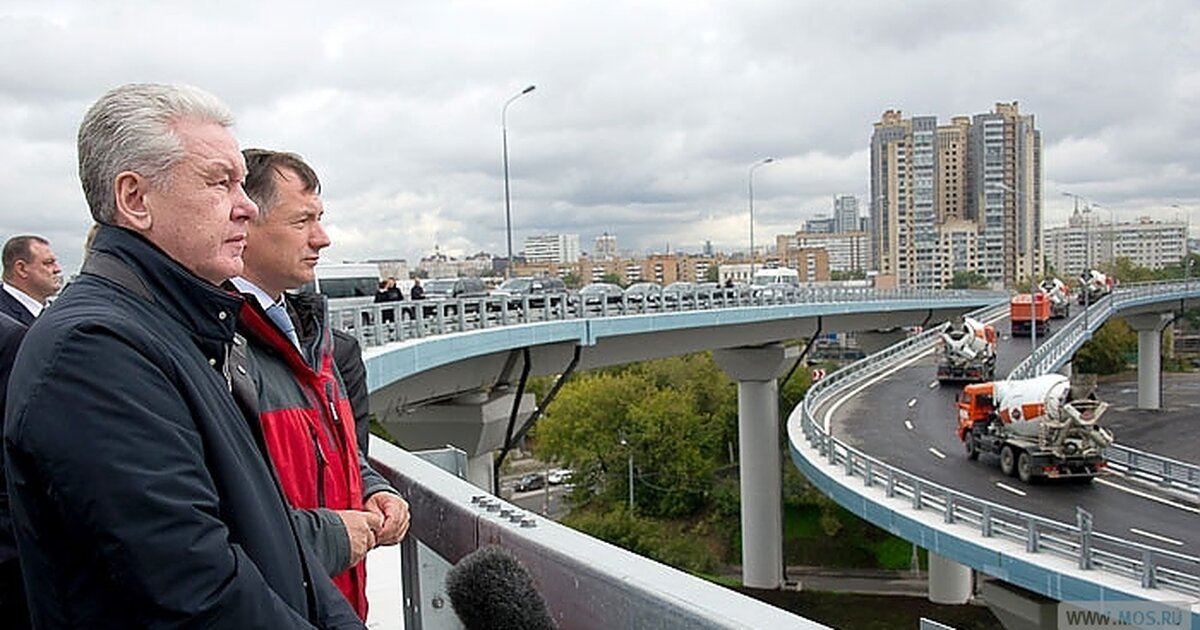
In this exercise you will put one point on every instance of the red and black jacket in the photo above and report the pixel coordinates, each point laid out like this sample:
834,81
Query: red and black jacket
307,421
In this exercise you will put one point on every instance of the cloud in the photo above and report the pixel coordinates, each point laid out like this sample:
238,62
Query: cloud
645,119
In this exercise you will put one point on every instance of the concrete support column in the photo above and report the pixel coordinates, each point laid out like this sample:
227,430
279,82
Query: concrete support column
949,581
479,470
760,461
1149,328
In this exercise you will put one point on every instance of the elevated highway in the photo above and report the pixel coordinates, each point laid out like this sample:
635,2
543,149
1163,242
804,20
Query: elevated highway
477,366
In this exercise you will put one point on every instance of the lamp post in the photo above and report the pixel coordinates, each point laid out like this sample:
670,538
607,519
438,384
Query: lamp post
507,203
750,187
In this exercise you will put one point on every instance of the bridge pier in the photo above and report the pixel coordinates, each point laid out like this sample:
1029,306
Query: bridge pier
949,581
1149,327
476,423
760,460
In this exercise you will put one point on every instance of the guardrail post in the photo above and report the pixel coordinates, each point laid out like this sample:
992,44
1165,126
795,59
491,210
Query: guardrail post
891,483
916,497
849,463
868,472
1083,519
949,516
1031,537
985,521
831,451
1149,570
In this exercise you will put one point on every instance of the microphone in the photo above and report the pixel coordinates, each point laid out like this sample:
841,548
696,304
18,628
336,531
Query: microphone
490,588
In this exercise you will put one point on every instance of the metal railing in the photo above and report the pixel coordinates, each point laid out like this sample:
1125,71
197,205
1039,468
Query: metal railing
1059,348
1151,567
378,324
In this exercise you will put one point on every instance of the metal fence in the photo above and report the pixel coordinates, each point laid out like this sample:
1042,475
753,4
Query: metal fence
377,324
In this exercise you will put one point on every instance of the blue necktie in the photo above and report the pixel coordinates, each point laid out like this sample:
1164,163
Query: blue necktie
278,314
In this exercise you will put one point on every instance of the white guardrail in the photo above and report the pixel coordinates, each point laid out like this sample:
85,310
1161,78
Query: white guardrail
1152,567
386,322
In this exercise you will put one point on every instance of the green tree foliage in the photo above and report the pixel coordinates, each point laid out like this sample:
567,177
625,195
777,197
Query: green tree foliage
1105,352
674,415
613,278
712,274
968,280
853,274
571,280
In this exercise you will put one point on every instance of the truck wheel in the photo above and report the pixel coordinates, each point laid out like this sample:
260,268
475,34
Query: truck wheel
972,448
1025,467
1008,461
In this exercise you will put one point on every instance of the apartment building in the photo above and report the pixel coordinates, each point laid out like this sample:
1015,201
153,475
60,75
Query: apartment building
928,178
560,248
1087,242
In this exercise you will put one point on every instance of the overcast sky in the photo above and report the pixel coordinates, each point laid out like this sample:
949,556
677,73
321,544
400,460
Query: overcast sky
646,116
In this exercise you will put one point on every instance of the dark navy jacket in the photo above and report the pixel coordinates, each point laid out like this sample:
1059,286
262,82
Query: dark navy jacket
14,309
141,494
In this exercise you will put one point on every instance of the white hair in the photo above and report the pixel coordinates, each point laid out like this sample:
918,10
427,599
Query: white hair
131,128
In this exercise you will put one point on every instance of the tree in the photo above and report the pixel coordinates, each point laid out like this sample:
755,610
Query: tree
571,280
612,278
853,274
675,417
712,274
1105,352
968,280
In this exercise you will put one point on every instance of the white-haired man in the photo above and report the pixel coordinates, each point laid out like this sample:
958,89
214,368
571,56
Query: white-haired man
142,496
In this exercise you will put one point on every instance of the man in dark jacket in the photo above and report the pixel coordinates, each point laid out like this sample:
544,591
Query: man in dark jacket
307,418
31,277
142,495
13,609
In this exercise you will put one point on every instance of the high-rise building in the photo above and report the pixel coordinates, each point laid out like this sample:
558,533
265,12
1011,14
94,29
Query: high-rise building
925,177
560,248
845,213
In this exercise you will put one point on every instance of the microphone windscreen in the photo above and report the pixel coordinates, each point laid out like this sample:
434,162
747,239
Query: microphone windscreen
490,588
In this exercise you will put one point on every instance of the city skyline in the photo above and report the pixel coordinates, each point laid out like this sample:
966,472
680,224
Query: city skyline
644,121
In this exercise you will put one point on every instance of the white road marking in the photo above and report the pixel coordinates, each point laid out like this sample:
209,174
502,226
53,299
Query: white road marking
865,384
1158,537
1147,495
908,425
936,453
912,403
1016,491
933,384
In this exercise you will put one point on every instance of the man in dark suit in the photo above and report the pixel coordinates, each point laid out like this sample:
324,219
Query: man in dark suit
13,609
31,276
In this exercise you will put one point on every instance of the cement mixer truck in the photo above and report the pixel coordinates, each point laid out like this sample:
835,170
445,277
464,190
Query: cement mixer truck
1093,285
968,352
1060,297
1034,428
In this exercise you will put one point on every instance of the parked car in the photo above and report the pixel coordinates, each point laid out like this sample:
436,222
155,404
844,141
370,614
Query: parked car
440,290
597,294
559,476
530,481
680,294
537,288
644,294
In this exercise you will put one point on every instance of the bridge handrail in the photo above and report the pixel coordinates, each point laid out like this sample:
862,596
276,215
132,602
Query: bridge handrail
1152,567
1058,349
378,324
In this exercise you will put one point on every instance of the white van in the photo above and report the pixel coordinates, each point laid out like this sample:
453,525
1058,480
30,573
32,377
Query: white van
345,284
775,283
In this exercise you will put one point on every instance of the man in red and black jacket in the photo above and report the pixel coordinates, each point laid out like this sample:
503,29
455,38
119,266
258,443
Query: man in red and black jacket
342,507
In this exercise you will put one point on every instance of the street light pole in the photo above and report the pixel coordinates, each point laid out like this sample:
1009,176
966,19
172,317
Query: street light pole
750,187
507,203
